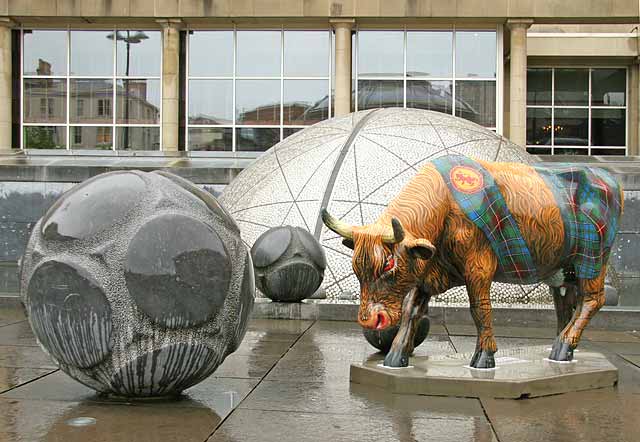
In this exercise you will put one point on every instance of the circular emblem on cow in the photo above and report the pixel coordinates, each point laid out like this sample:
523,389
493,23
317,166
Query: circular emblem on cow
466,180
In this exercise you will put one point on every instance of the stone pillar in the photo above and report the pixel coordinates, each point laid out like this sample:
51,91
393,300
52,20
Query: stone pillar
518,81
342,104
170,83
5,84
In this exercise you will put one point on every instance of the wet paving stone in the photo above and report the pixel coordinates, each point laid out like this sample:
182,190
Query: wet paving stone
467,344
251,366
17,334
610,336
277,426
634,359
17,356
279,326
261,347
11,377
502,331
10,315
597,415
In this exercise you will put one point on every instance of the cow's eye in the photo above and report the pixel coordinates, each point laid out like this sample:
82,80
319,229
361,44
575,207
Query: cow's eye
390,264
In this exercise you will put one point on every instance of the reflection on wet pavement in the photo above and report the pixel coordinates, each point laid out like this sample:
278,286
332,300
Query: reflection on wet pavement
289,381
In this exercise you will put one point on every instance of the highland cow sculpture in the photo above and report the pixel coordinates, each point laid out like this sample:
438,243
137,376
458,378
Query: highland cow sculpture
466,222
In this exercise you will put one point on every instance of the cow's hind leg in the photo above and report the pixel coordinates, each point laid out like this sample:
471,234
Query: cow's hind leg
414,307
479,273
564,300
590,300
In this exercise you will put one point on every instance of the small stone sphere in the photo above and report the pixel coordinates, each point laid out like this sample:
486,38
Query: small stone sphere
137,284
382,340
289,264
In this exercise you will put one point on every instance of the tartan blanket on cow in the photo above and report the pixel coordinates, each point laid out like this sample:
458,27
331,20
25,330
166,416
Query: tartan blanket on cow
478,196
590,203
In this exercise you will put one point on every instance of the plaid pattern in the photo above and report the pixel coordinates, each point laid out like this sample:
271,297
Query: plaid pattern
487,209
589,201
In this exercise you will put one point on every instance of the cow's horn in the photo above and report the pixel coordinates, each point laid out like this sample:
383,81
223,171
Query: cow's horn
340,227
398,232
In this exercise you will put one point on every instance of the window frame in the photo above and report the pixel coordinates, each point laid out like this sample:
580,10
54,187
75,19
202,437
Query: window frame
68,77
552,107
234,78
453,29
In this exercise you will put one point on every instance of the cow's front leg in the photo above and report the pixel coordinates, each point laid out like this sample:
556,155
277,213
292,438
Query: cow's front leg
479,272
414,307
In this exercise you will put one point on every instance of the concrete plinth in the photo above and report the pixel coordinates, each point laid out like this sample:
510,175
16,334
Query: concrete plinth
520,373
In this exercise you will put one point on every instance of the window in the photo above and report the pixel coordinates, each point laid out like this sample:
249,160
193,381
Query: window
576,111
108,79
448,71
279,83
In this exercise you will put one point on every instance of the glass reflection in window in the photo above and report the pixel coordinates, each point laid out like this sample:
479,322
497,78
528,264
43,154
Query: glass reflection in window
305,101
608,127
430,54
259,53
211,53
138,138
45,137
475,54
210,101
211,138
571,127
431,95
45,53
91,53
91,137
45,100
138,53
539,126
143,103
380,93
608,87
572,87
539,86
380,53
476,101
91,101
258,102
255,139
306,53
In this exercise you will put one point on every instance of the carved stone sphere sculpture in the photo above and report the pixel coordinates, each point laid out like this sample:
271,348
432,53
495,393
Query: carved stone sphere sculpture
289,263
382,339
137,284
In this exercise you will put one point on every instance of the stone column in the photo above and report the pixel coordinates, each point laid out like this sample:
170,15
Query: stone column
5,84
342,104
170,83
518,81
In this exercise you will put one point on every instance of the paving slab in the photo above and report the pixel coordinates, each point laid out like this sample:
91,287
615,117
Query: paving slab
467,344
278,426
22,356
587,416
11,315
519,372
504,331
296,327
250,347
11,377
240,366
17,334
610,336
634,359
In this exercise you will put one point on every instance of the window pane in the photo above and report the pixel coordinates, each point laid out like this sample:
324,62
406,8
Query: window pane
572,87
210,138
143,104
210,101
476,101
538,126
45,101
571,127
253,139
91,101
539,86
45,52
608,87
380,53
45,137
380,93
138,138
258,102
608,127
288,131
211,53
91,137
431,95
258,53
306,53
305,101
571,151
91,53
430,54
138,53
476,54
539,150
601,151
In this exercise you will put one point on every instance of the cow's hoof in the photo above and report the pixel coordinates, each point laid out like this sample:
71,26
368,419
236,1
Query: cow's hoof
561,351
396,360
482,359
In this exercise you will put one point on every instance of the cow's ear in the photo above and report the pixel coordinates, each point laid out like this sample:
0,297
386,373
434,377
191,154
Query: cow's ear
348,243
421,248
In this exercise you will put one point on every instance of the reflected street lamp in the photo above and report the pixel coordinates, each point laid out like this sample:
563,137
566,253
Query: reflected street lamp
129,39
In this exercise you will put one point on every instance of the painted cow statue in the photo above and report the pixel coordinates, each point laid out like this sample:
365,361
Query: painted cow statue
466,222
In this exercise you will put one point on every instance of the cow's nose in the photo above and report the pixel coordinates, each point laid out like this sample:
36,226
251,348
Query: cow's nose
375,318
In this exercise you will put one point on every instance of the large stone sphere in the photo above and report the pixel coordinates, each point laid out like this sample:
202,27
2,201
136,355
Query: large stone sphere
355,165
137,284
289,263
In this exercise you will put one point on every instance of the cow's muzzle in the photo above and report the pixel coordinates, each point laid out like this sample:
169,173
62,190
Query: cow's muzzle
374,317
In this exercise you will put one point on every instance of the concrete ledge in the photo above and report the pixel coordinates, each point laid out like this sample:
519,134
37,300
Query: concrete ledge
519,373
